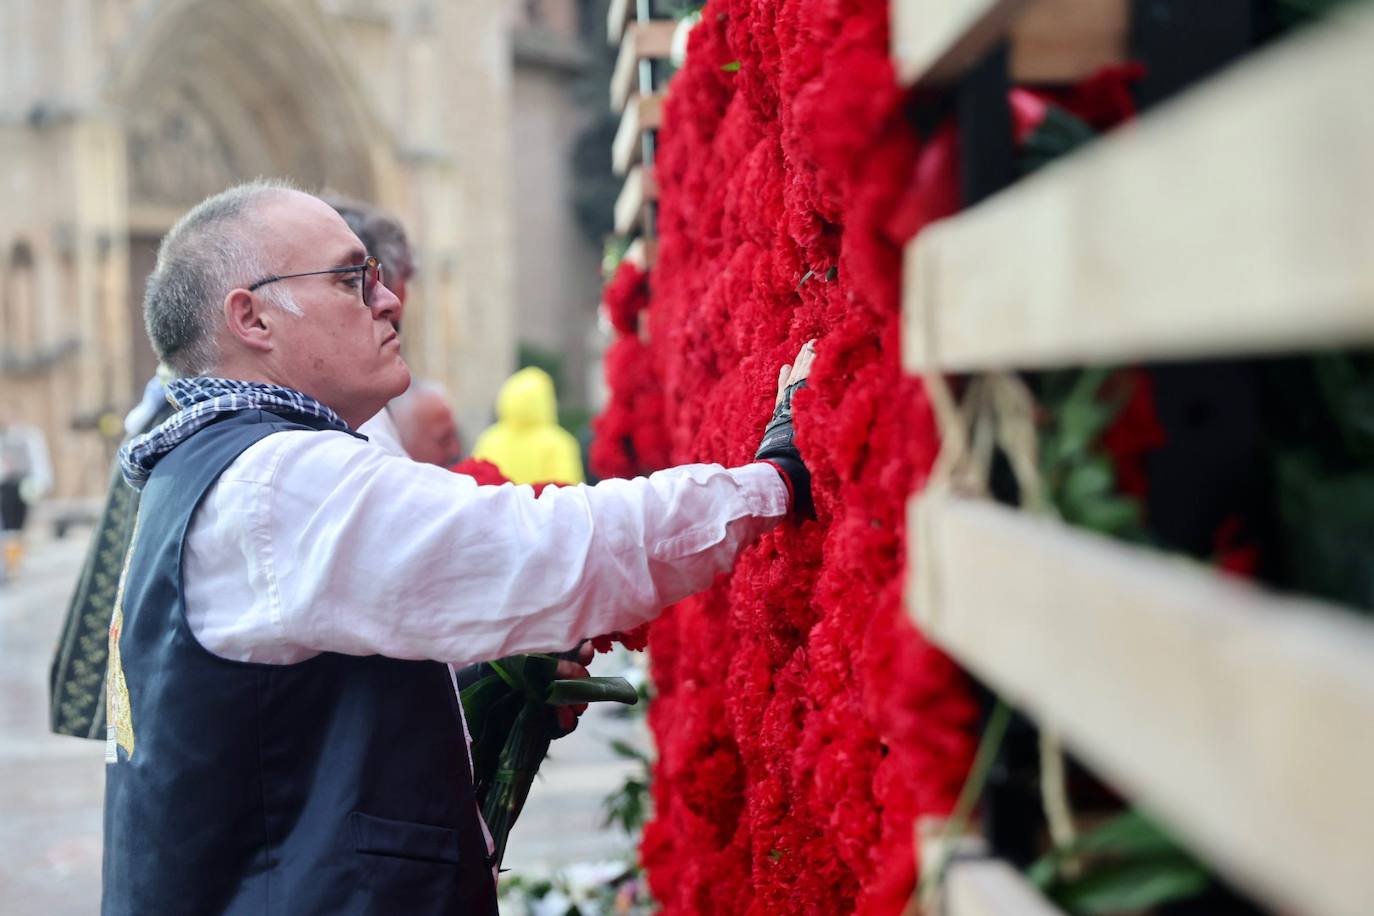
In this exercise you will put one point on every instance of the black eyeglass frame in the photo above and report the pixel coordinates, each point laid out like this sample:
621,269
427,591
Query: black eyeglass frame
362,268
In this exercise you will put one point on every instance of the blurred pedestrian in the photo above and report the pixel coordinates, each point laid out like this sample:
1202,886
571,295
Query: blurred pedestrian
25,478
76,679
426,425
526,442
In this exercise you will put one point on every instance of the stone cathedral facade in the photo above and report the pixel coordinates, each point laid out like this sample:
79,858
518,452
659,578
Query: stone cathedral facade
117,115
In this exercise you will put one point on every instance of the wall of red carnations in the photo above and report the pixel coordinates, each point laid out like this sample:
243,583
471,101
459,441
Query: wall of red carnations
802,724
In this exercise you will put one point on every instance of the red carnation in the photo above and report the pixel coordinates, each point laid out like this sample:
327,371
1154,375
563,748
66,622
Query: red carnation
625,296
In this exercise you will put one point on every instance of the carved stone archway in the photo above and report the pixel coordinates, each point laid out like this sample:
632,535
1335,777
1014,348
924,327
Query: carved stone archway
212,93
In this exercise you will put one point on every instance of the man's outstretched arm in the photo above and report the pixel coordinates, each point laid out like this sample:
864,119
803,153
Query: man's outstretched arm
355,551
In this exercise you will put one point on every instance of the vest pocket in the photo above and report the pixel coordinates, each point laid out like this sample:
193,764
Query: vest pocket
380,836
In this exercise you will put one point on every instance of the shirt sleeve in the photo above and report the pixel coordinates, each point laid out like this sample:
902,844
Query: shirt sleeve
364,553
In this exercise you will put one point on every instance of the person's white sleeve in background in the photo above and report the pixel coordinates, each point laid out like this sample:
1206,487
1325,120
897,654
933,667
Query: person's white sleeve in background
40,467
351,550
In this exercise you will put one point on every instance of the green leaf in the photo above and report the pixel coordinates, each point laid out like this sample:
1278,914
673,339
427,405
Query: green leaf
1081,422
591,690
1132,886
1291,13
628,805
508,671
1081,415
1113,515
732,67
1346,385
1129,833
1058,134
1128,864
612,253
528,674
628,751
1088,480
1089,384
1043,870
479,697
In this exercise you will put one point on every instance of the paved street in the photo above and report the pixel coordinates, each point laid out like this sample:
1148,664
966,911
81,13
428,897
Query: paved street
50,787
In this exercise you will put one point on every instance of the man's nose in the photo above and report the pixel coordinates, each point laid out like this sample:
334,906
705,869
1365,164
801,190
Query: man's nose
385,304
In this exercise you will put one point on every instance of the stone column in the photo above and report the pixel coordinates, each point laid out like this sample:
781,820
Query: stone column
475,96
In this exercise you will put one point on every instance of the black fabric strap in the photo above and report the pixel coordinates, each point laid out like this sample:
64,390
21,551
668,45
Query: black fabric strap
778,449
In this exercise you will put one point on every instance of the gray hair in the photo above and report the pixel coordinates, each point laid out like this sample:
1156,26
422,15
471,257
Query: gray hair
210,251
381,233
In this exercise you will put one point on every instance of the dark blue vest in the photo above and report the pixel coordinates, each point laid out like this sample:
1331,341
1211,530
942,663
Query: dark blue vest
336,785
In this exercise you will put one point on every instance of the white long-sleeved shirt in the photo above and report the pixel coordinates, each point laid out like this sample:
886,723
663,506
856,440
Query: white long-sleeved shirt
317,541
383,432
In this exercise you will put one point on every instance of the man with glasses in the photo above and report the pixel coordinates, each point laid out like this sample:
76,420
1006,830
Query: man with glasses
384,238
283,733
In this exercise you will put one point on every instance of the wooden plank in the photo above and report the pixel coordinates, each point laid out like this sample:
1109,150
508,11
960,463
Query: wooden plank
643,41
1064,41
1234,220
642,114
991,887
639,188
1241,718
618,15
935,42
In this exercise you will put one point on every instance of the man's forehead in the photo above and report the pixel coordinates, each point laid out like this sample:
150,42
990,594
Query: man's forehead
305,223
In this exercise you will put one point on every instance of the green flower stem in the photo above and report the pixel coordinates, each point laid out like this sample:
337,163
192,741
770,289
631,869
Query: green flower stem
988,746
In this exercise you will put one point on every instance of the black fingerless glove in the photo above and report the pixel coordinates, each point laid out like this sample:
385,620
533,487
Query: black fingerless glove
778,450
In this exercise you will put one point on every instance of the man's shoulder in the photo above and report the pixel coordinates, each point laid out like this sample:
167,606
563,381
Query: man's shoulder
307,451
381,431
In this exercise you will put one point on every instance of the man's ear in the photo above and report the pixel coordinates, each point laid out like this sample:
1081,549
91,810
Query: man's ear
250,320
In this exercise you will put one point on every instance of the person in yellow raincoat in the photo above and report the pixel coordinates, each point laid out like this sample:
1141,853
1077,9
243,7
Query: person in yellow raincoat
526,442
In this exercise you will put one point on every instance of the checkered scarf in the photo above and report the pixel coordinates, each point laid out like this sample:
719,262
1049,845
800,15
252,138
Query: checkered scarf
202,401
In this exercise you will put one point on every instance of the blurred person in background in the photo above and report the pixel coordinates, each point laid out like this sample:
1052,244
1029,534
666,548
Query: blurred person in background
526,442
25,478
76,704
424,420
153,408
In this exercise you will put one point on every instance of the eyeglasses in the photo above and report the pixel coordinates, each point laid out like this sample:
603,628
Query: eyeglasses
371,269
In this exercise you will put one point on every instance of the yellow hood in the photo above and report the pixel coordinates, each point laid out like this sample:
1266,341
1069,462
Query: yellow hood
526,442
527,399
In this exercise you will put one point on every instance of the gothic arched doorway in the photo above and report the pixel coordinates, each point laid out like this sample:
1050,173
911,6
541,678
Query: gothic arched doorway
215,93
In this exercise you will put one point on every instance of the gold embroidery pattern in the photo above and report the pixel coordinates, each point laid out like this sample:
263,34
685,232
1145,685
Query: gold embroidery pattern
119,713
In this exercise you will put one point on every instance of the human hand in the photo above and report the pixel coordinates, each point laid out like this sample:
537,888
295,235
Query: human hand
797,371
568,716
777,447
